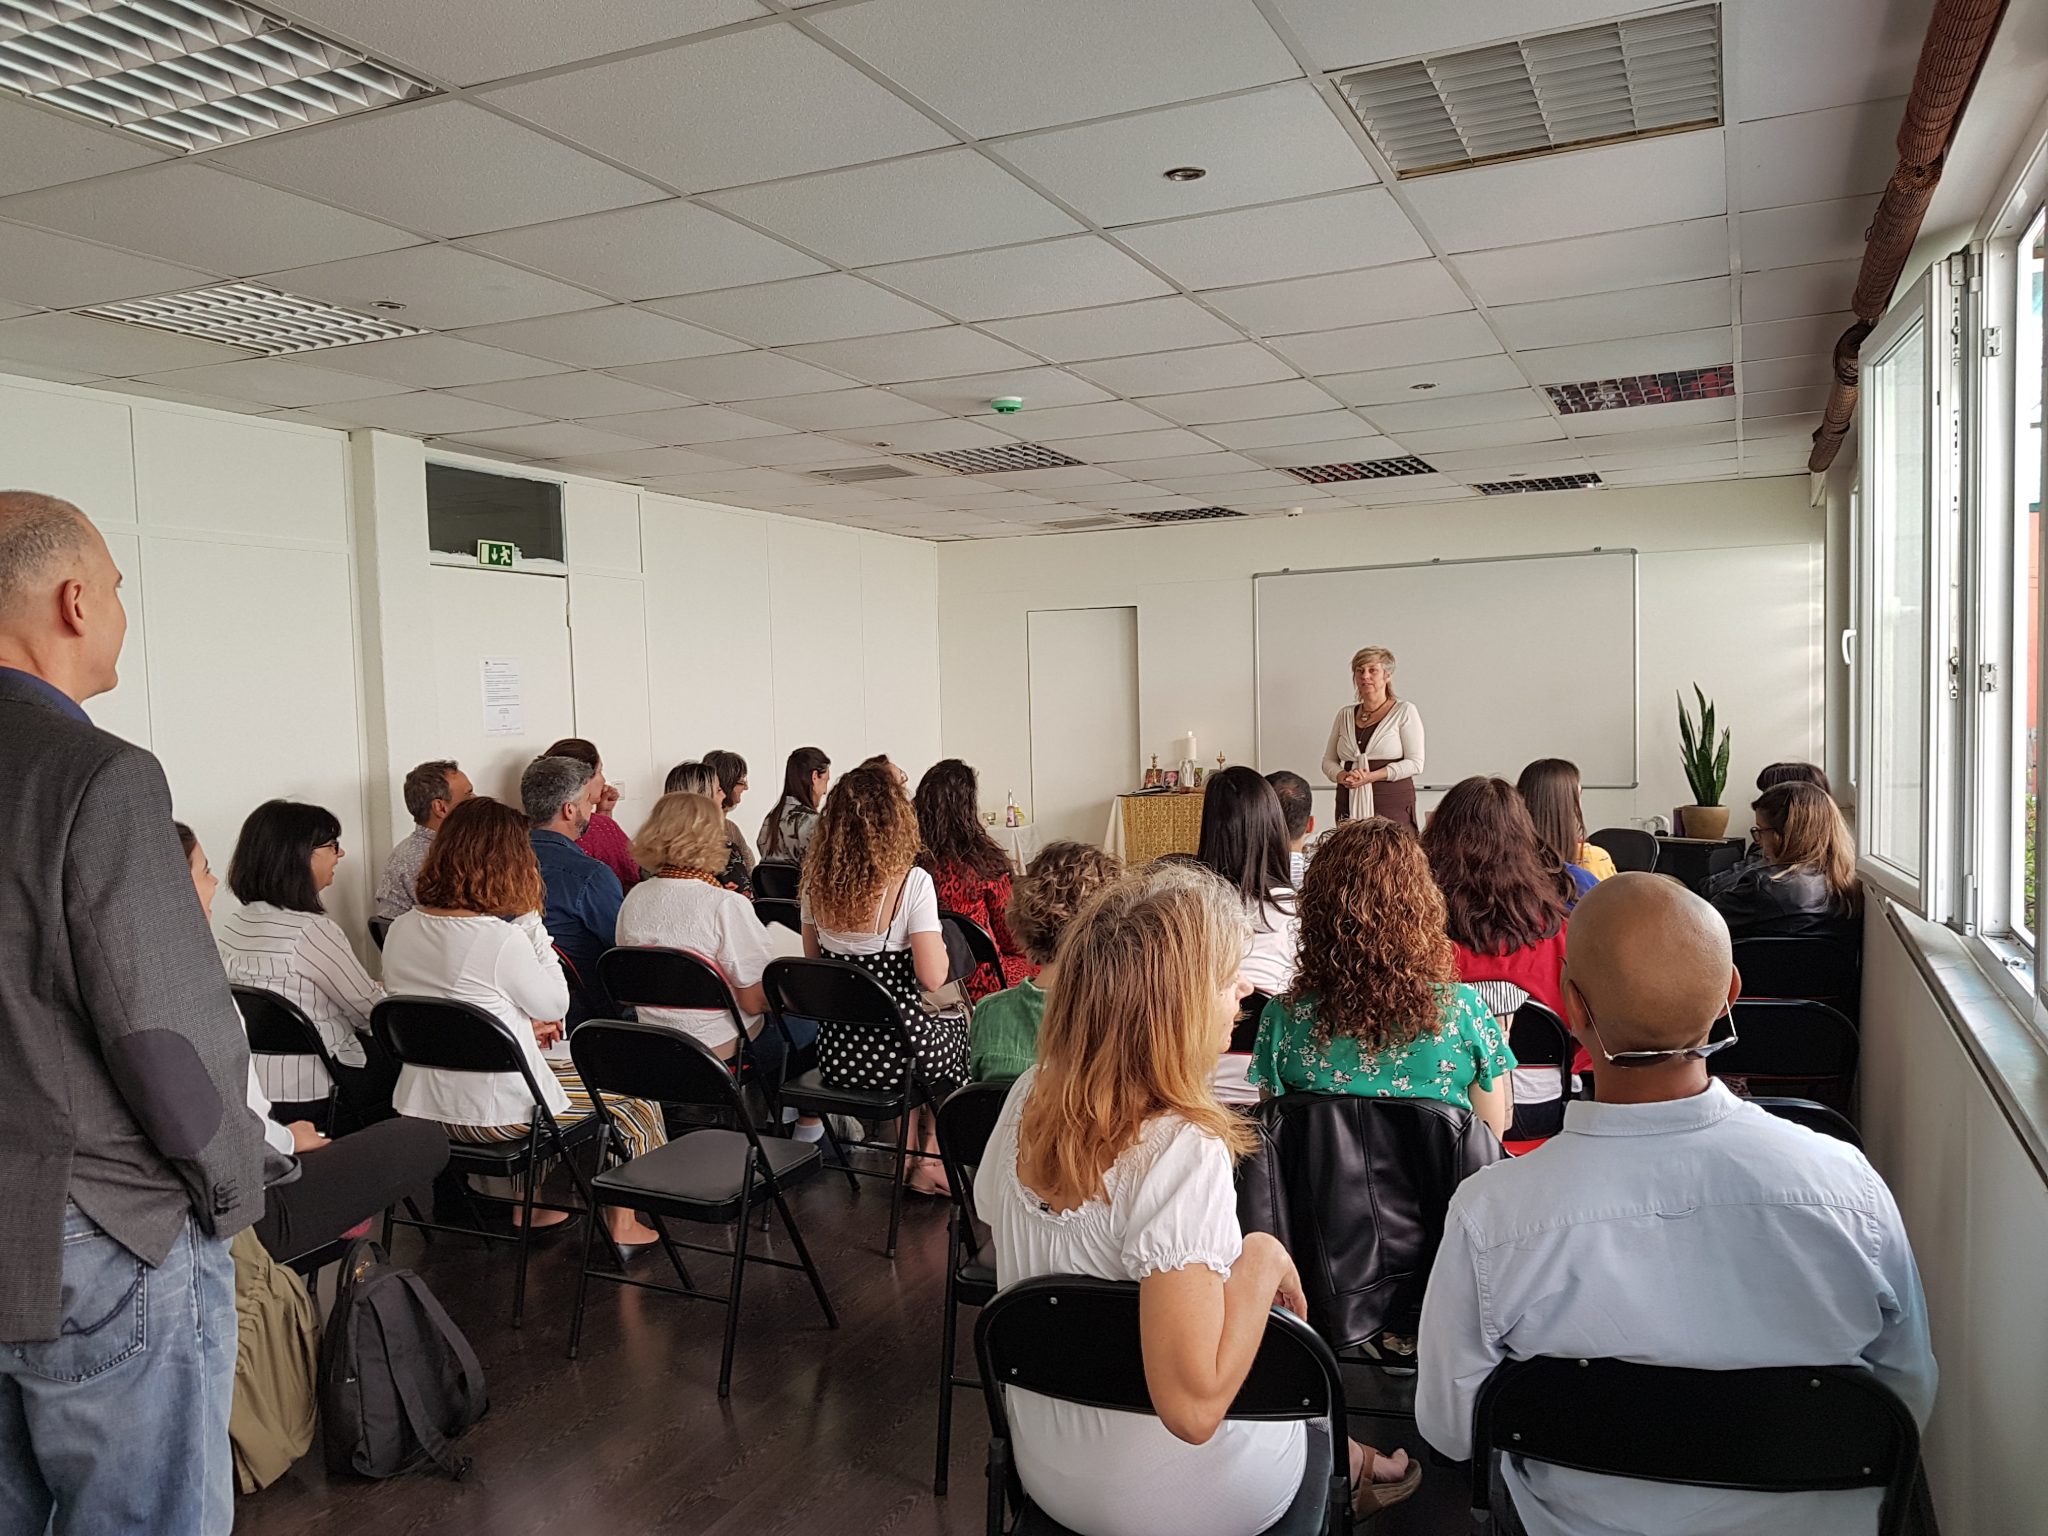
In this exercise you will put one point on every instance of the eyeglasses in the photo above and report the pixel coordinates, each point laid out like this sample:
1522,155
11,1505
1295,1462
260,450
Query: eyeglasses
1703,1050
332,842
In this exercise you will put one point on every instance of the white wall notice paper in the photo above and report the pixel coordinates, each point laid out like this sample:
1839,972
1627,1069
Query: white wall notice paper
504,703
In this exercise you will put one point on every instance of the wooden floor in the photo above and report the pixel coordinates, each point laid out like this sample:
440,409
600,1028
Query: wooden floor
825,1432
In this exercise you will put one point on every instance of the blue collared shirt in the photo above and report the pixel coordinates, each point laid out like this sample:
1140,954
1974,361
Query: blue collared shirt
582,915
48,691
1698,1232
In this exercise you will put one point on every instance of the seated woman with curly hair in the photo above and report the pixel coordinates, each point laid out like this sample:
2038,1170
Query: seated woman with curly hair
1376,1008
1055,887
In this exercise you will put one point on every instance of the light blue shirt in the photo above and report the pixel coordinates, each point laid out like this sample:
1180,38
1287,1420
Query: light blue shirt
1698,1232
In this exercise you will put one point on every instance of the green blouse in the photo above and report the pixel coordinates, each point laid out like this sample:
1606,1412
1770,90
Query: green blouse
1466,1047
1004,1035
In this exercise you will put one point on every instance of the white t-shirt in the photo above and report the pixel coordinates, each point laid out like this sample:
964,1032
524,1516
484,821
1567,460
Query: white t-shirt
508,969
916,912
1171,1206
710,921
1269,956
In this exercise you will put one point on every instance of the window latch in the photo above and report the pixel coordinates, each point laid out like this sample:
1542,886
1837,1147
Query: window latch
1987,677
1991,341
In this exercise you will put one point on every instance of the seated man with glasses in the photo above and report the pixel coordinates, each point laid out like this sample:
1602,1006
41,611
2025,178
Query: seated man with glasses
1669,1224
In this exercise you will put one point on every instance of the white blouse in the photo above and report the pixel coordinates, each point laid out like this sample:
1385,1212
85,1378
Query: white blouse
711,921
1171,1205
304,958
916,911
1398,737
508,969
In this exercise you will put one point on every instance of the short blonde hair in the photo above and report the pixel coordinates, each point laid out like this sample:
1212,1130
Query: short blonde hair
685,831
1366,655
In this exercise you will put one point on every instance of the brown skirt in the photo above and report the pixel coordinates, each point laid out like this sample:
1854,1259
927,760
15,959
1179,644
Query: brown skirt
1393,799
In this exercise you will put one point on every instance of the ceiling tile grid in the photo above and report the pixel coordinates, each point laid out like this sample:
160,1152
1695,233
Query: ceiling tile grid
711,246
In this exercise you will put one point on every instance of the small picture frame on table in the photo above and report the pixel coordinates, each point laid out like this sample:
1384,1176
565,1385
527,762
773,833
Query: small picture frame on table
1171,778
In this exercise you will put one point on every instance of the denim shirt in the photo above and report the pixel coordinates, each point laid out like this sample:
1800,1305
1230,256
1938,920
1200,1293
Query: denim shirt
582,916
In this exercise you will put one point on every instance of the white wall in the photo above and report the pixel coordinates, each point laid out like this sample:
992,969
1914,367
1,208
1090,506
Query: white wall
234,541
1731,588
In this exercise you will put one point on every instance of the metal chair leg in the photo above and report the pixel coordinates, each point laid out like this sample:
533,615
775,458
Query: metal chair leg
582,1289
803,1254
739,1270
668,1246
896,1181
525,1240
838,1151
949,1317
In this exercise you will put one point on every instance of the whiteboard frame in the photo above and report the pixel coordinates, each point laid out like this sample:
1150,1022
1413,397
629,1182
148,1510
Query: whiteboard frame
1635,575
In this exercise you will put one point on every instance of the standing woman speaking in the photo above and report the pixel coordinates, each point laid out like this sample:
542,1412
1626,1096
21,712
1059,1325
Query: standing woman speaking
1375,751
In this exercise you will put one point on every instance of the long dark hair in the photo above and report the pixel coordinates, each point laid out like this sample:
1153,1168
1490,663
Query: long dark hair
1502,892
273,858
804,763
730,768
1244,837
1549,788
949,821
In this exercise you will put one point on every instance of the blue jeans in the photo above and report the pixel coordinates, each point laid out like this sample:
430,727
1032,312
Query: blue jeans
119,1425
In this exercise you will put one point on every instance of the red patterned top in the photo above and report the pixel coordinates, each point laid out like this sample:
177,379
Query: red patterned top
606,841
971,894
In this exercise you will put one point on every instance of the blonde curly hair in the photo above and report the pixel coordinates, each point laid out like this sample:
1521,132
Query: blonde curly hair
866,840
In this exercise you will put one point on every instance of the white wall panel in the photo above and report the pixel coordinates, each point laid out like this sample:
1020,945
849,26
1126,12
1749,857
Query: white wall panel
220,474
252,685
900,652
125,711
71,445
814,587
500,615
603,526
608,658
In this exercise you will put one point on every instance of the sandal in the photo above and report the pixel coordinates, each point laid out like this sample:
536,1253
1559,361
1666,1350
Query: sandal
1370,1498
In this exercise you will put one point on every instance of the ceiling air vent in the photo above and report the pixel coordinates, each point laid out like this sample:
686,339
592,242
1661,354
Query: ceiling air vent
994,461
860,474
1546,483
1185,515
1086,524
193,74
1643,389
1371,469
1623,79
253,316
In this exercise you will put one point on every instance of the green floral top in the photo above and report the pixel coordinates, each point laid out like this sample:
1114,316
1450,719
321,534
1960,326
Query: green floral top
1467,1047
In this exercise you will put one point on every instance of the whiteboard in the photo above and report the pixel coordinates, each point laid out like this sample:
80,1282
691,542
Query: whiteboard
1508,660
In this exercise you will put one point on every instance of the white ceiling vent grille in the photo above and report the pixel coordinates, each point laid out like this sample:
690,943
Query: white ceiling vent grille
1369,469
860,474
1621,79
253,316
994,461
1536,483
192,74
1086,524
1185,514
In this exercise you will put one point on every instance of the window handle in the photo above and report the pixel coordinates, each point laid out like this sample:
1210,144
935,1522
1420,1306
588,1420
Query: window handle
1848,647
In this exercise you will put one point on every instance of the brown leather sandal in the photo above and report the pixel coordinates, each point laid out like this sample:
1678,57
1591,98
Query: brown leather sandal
1369,1498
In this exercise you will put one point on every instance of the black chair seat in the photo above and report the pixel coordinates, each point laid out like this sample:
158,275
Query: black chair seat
808,1091
703,1171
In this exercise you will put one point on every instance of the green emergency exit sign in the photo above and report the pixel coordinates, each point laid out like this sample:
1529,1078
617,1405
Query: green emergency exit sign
503,554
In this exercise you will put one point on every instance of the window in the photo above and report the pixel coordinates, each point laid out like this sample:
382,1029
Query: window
2028,367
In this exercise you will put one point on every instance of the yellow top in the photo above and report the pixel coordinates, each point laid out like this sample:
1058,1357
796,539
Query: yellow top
1594,861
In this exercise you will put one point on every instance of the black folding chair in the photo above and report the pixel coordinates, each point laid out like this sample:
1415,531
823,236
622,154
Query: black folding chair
1631,848
1791,1050
780,909
448,1036
979,943
841,996
1815,1117
1809,968
966,1121
777,879
650,976
1539,1039
711,1175
1777,1429
1076,1339
379,926
1244,1033
277,1026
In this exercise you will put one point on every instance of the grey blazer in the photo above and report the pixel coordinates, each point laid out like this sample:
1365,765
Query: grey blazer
123,1066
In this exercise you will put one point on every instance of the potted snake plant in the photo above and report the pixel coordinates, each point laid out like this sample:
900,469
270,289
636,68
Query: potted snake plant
1706,770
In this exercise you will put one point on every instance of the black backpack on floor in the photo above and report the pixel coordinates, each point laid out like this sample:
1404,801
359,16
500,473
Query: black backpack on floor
398,1381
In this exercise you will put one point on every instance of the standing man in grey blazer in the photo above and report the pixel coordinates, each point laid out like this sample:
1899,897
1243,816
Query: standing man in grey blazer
128,1154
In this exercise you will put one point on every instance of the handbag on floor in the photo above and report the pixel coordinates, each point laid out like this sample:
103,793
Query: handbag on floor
398,1381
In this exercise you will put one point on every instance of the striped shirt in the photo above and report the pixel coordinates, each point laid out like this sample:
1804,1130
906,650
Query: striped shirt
303,957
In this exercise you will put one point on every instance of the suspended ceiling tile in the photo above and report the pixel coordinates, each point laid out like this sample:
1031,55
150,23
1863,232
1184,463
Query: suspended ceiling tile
1788,293
1361,449
549,440
1784,402
1505,456
1596,264
1696,305
1117,330
429,414
437,362
102,347
649,252
996,68
842,410
1794,338
567,395
441,287
737,376
1342,33
1024,279
1241,362
1321,426
46,147
687,425
725,111
1805,233
1250,402
1812,156
1288,240
1391,386
947,352
1457,411
790,450
1037,387
1261,147
1630,356
1429,441
274,381
1397,343
57,272
443,166
615,336
1105,419
1119,447
830,307
1706,417
927,437
1784,373
1188,466
927,205
1405,292
1819,53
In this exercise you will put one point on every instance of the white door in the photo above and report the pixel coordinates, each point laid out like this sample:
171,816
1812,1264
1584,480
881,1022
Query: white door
1084,718
500,617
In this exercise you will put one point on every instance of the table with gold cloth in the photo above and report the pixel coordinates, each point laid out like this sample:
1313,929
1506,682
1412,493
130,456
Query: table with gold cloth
1142,827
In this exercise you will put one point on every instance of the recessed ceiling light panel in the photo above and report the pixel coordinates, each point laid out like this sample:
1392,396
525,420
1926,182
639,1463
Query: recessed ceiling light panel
991,461
255,317
192,74
1185,515
1643,389
1370,469
1622,79
1544,483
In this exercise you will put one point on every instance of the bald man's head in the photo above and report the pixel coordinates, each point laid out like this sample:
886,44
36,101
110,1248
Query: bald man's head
60,605
1652,962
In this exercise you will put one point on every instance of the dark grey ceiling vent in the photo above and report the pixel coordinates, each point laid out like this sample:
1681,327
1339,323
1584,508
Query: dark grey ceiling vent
1621,394
1185,514
1086,524
995,461
1545,483
1371,469
860,474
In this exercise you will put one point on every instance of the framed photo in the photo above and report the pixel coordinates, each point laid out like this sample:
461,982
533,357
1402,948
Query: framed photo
1171,778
